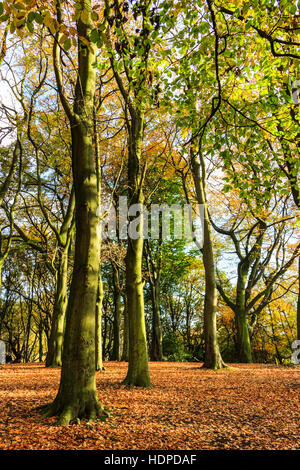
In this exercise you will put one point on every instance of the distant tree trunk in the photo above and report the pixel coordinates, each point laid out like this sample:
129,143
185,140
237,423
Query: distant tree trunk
125,352
41,352
55,345
77,395
98,340
188,328
104,334
241,318
117,314
138,373
1,266
26,350
298,303
213,359
243,338
156,345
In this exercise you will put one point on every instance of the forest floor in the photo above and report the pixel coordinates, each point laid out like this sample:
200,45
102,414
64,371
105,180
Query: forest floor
187,408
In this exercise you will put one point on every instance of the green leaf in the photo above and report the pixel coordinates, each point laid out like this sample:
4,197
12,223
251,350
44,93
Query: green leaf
38,18
31,17
30,26
4,18
227,188
67,44
94,36
1,8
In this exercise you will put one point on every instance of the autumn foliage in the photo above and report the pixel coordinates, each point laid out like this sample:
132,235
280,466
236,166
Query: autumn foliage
245,407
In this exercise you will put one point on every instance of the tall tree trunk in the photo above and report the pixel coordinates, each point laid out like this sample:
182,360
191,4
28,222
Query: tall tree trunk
77,395
138,373
55,345
213,359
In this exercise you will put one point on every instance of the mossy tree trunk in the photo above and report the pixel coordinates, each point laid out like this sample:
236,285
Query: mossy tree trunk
138,374
213,359
77,395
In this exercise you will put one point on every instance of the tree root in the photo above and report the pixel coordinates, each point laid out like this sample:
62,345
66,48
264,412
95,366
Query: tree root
216,365
136,383
73,413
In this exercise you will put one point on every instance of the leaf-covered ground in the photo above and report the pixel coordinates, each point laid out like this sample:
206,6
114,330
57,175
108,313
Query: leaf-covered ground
247,407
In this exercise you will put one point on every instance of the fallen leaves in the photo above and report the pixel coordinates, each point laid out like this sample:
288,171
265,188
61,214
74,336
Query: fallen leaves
187,408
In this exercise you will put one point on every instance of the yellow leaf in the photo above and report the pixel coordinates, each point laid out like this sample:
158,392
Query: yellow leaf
84,16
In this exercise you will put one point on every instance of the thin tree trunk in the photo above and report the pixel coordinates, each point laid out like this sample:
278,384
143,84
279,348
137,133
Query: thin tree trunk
156,345
98,346
125,352
41,342
55,345
117,315
241,317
